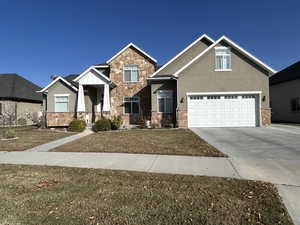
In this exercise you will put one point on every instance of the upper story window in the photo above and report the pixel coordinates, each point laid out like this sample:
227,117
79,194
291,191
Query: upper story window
165,101
61,103
295,103
223,59
131,73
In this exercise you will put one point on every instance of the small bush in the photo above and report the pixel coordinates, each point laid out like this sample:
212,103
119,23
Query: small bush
102,125
154,125
116,122
22,122
10,133
77,125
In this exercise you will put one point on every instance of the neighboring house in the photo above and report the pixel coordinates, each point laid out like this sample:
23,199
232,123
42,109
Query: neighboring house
285,94
18,99
208,84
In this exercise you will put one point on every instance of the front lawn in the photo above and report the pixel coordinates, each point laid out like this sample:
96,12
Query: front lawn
31,195
168,142
29,137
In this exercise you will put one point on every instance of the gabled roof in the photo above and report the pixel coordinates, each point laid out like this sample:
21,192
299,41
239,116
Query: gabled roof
234,45
93,69
133,46
204,36
290,73
56,80
13,86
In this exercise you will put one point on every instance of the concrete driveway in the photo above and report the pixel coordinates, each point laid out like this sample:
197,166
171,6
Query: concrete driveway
268,154
275,142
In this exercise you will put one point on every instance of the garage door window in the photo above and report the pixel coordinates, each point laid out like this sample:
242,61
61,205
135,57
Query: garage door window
165,101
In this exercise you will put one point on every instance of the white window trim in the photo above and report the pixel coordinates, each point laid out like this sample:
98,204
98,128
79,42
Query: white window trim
61,95
138,101
223,48
157,99
130,74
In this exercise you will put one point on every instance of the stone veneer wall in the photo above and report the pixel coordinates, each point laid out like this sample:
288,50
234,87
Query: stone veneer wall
162,119
61,119
266,117
182,118
146,67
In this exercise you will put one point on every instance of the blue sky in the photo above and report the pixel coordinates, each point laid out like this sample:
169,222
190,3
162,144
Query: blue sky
40,38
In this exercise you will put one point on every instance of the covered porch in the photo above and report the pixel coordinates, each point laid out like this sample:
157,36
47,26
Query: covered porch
93,99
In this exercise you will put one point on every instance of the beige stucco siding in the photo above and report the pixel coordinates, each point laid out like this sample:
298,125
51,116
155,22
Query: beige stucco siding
161,85
60,88
202,77
26,110
185,57
281,96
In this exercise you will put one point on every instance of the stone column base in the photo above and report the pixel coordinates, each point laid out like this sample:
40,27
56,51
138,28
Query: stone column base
162,119
182,119
266,117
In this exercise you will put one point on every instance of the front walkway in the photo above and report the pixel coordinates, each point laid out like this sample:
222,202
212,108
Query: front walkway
53,144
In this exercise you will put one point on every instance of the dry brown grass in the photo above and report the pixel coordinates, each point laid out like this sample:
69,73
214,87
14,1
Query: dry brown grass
29,137
168,142
31,195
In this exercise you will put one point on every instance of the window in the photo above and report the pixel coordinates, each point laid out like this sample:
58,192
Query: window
213,97
61,103
295,103
165,101
223,59
131,105
196,97
131,73
1,112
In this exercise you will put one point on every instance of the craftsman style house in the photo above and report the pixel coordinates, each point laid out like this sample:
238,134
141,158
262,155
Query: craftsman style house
208,84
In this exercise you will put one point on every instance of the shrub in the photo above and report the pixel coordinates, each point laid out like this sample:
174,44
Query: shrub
154,125
9,133
116,122
77,125
102,125
22,122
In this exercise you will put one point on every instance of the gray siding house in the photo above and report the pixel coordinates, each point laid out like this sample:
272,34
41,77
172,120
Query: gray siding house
18,99
208,84
285,94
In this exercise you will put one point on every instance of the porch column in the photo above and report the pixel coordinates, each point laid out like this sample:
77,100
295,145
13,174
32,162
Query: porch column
106,99
80,99
98,98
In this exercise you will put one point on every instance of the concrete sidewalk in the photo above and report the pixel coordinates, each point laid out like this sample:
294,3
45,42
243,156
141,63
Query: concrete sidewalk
185,165
53,144
188,165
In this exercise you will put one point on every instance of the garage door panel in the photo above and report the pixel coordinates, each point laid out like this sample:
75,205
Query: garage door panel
223,111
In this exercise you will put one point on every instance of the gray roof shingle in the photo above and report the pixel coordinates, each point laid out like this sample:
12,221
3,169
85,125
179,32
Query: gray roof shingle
15,87
290,73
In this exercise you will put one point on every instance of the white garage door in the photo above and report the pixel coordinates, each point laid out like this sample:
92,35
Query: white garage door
237,110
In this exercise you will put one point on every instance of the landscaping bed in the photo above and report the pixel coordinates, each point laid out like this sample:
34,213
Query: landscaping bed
29,137
31,195
156,141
